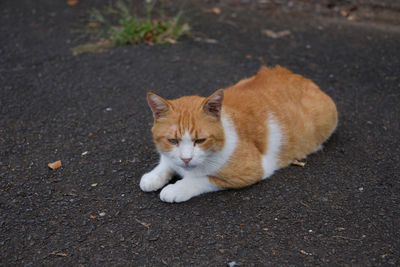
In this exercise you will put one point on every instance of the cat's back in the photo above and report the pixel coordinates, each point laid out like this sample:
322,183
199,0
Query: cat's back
304,113
274,86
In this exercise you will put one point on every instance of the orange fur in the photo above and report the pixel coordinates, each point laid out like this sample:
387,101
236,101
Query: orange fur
186,114
306,115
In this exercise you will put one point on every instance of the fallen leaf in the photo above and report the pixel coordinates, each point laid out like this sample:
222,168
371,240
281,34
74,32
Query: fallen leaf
55,165
249,56
216,10
100,46
93,24
275,35
94,184
93,217
72,2
59,254
206,40
305,252
170,40
299,163
210,41
351,17
265,229
147,225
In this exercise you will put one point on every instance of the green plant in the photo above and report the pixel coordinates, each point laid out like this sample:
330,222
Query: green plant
120,26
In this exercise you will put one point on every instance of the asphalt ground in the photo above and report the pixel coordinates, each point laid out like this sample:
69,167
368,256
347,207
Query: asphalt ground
90,112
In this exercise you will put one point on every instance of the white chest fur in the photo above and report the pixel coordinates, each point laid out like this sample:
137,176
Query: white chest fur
213,161
271,158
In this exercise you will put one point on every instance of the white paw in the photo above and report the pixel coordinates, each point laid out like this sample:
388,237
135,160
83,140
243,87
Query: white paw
152,181
175,193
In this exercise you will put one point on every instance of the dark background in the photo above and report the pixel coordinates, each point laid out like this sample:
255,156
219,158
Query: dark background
90,112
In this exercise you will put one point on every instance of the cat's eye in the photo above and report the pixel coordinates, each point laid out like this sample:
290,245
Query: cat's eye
173,141
199,141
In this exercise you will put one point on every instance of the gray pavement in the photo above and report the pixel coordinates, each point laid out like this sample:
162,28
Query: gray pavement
90,112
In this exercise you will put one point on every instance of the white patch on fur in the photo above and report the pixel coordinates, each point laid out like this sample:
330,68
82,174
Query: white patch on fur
270,160
204,163
158,177
186,146
186,188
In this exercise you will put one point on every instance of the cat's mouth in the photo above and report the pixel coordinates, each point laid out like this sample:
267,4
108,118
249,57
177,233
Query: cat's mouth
188,167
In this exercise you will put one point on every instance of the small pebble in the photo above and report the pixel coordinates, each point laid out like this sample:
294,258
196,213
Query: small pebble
232,263
102,214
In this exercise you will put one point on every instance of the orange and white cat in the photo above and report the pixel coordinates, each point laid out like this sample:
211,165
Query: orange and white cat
237,136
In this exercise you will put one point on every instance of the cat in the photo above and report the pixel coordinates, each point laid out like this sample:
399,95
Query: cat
237,136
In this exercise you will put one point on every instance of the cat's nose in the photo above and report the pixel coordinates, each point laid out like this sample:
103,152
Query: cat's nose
186,160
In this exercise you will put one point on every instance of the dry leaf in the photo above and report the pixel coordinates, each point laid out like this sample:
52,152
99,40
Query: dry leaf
170,40
351,17
72,2
55,165
344,13
210,41
299,163
100,46
275,35
94,185
216,10
93,24
206,40
93,217
305,252
147,225
59,254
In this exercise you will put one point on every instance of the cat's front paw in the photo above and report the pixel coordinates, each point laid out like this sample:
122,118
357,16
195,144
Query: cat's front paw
175,193
152,181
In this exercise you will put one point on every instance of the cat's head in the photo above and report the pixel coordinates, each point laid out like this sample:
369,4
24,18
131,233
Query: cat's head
187,130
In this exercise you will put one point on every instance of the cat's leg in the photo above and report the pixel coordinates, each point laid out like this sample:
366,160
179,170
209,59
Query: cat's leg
187,188
158,177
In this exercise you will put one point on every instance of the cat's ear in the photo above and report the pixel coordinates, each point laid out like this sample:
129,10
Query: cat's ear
213,103
158,105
